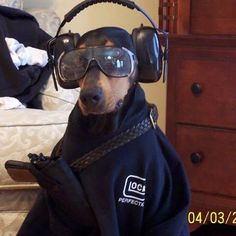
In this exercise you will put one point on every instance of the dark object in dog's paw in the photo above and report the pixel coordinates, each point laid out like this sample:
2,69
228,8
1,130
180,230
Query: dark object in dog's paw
19,171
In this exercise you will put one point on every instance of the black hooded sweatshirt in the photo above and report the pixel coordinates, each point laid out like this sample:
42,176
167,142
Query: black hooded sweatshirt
137,189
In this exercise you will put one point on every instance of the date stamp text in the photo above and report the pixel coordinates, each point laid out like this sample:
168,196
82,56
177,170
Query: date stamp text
212,217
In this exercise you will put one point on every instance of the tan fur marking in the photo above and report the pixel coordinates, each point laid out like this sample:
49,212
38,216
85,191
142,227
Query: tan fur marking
107,44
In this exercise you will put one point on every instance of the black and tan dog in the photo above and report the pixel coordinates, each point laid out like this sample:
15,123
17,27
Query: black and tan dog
101,94
137,185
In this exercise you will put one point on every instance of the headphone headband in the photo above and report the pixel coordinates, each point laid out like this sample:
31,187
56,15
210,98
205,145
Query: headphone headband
145,40
81,6
85,4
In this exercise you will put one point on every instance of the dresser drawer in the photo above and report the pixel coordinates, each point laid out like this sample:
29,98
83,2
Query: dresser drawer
209,156
205,90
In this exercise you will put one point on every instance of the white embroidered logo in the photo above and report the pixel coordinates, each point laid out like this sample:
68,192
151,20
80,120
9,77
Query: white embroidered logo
134,187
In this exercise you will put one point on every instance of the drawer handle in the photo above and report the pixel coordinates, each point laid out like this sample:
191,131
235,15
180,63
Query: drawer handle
196,88
196,157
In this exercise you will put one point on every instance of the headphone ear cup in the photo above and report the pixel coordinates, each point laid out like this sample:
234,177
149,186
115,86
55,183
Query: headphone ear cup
149,54
64,43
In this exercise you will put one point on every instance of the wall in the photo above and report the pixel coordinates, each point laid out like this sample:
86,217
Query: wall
107,14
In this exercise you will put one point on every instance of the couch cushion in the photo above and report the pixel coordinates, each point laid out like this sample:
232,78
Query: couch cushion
10,222
17,200
28,130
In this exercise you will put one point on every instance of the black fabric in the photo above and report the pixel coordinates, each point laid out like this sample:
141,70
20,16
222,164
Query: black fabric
137,189
26,82
54,177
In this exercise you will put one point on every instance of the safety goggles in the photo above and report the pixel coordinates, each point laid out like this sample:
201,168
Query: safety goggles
112,61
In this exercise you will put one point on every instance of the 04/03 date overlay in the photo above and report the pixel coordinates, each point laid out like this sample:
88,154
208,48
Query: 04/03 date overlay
212,217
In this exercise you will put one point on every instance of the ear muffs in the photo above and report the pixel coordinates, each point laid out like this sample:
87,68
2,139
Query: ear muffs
145,39
149,54
62,44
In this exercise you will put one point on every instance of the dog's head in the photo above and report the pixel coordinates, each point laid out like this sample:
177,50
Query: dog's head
111,70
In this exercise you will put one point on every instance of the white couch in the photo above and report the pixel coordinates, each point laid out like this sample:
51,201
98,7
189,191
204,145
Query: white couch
30,130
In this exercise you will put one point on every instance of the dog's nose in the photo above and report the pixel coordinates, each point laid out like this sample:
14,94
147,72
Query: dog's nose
91,97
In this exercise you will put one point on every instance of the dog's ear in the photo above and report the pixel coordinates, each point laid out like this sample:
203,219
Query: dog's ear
149,54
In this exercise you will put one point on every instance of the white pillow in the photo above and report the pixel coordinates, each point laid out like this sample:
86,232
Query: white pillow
12,3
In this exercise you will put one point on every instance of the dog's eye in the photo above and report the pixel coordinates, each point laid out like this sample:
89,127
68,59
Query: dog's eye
71,72
73,69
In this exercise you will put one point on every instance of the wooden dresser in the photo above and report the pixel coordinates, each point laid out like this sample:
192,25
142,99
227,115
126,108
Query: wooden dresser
201,102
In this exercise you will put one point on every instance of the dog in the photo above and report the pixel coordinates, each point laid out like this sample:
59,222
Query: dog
131,185
99,93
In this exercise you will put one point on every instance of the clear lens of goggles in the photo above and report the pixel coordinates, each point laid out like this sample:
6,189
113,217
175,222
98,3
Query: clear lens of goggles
114,62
